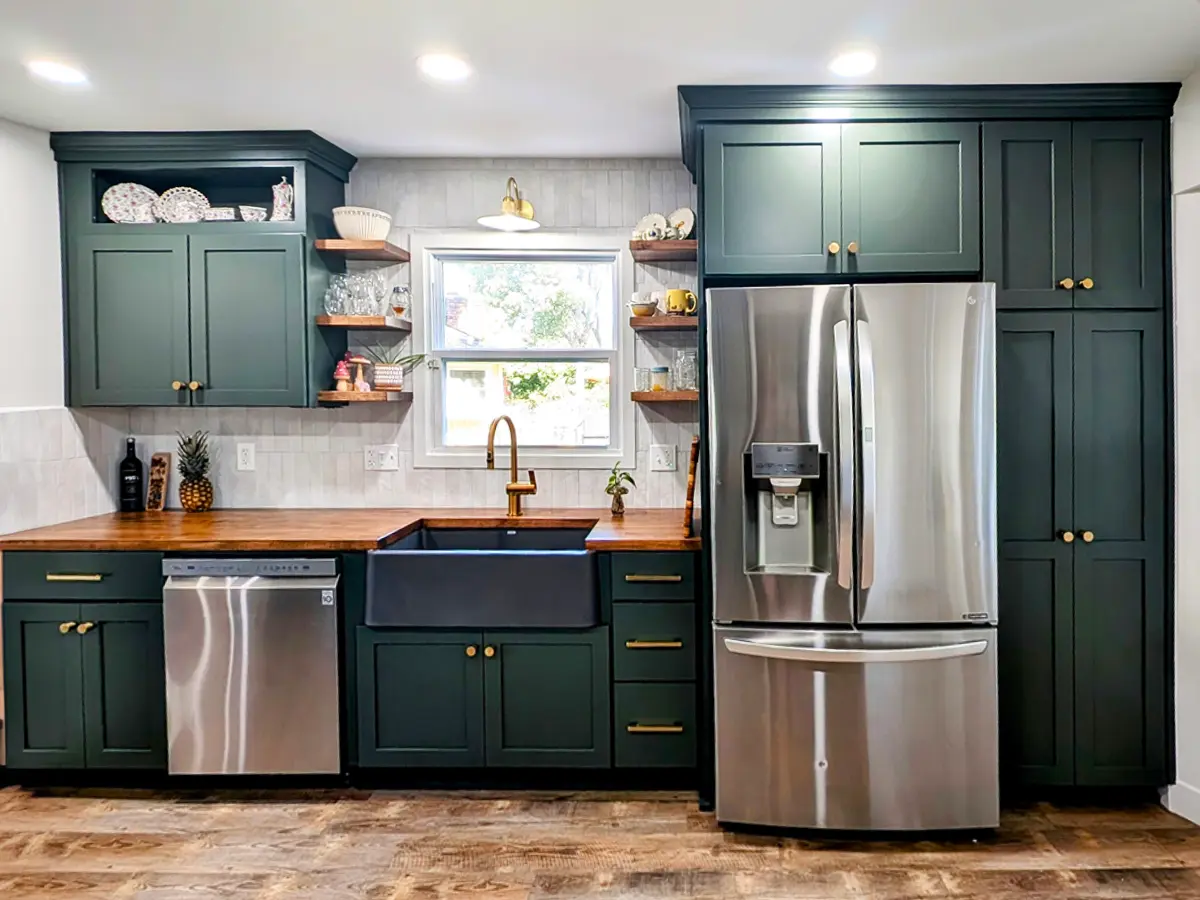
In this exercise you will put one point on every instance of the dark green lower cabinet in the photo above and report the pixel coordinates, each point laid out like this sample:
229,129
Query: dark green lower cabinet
547,698
655,725
94,698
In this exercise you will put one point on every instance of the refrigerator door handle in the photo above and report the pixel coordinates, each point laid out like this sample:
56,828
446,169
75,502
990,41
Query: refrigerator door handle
834,655
866,380
845,454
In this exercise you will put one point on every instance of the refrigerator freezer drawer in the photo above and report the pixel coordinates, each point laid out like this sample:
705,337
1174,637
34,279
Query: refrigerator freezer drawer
845,730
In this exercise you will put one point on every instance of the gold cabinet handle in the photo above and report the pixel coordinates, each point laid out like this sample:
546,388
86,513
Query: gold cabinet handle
852,247
65,627
653,645
54,576
1087,284
834,247
1067,283
177,385
1068,537
194,385
489,652
85,627
635,728
654,579
472,650
1088,536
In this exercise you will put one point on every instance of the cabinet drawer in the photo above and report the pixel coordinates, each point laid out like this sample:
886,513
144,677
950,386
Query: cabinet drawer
654,725
85,575
653,576
654,641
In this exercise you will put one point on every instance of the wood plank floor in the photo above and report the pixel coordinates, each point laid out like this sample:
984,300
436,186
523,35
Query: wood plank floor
552,846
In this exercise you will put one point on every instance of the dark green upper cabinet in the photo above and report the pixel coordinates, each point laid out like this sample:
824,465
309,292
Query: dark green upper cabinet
910,197
1120,201
127,310
771,199
1027,236
247,319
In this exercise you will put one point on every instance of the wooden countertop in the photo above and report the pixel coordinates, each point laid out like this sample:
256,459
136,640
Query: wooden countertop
338,529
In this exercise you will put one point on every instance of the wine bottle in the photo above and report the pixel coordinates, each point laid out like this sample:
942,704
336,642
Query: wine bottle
131,474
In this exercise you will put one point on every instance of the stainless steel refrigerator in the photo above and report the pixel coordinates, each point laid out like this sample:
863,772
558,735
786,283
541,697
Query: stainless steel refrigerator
852,529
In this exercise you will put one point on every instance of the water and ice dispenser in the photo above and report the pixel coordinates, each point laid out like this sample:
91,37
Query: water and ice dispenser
785,486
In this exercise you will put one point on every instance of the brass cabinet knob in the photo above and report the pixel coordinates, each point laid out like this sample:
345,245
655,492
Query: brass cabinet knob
177,385
85,627
65,627
1068,537
852,247
194,385
834,246
1087,284
1088,536
472,650
1067,283
489,652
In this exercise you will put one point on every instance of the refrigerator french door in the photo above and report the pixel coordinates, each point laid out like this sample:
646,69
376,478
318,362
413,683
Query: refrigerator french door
853,547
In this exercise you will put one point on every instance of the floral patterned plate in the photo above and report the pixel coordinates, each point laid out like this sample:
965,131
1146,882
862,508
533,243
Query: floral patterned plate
181,204
129,203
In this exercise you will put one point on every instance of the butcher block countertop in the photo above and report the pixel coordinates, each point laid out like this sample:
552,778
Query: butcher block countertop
270,530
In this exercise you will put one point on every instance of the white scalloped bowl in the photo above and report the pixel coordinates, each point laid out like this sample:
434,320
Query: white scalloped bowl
361,223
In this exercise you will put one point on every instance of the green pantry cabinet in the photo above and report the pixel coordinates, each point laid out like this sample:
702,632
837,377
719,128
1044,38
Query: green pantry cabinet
202,314
84,680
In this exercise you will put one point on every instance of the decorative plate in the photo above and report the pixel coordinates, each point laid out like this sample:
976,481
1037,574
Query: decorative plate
651,227
129,203
683,220
181,204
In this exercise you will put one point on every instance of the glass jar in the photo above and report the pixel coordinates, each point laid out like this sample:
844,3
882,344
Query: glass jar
660,378
686,371
641,379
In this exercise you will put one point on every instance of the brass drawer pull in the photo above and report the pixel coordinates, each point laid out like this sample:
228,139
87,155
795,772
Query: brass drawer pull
52,576
654,729
653,645
654,579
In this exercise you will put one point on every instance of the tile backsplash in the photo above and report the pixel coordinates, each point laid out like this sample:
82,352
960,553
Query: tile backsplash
314,458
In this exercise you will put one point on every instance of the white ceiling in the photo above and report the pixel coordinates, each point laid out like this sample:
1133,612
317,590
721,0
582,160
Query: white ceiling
552,77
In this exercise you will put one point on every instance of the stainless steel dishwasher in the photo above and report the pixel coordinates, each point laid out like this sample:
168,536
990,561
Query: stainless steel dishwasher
252,666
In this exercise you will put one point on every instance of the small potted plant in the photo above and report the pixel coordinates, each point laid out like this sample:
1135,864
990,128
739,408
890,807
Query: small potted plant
617,479
390,364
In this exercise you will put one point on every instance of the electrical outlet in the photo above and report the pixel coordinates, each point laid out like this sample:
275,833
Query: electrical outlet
245,457
662,457
381,458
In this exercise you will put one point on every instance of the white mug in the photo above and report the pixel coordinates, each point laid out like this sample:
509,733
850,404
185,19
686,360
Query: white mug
659,298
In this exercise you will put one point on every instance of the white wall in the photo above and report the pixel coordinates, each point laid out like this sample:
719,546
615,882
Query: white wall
1184,796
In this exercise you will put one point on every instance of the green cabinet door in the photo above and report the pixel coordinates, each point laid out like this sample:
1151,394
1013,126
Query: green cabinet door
548,698
248,320
43,722
1120,186
1027,235
1034,400
127,322
1121,654
770,199
124,685
420,698
910,197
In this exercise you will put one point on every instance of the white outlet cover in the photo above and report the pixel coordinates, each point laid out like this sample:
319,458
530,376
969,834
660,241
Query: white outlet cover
245,457
381,458
662,457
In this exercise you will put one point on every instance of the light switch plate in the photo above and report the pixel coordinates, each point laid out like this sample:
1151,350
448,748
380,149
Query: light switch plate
381,457
245,457
662,457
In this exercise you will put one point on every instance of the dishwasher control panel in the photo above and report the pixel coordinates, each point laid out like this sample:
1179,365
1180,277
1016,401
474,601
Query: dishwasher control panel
245,568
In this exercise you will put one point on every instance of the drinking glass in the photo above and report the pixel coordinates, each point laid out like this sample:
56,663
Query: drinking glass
641,379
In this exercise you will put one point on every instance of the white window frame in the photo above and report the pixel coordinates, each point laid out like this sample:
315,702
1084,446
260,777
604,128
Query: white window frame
428,450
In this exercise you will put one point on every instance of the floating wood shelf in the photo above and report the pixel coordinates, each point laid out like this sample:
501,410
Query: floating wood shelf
664,396
663,251
389,323
663,323
364,396
366,251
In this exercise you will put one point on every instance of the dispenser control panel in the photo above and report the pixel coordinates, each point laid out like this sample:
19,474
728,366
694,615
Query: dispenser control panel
785,461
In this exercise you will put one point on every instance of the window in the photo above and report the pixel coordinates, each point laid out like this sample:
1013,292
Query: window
530,329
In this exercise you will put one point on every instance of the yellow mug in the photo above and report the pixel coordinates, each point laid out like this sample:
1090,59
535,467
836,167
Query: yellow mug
680,302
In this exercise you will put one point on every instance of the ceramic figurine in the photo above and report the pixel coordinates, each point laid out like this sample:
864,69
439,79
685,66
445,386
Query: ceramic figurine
341,374
360,382
284,195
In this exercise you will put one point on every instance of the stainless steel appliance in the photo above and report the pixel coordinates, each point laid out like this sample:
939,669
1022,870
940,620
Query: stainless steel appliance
853,546
252,666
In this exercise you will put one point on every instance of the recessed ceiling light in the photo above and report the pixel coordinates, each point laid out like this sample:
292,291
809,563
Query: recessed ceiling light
59,73
852,63
443,67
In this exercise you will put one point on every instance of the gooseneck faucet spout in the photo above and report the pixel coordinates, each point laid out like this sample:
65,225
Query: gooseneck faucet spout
515,489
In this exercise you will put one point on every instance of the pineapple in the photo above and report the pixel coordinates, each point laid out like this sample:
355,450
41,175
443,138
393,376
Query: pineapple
195,490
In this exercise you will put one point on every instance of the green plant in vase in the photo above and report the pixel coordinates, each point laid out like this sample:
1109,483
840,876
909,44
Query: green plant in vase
617,479
390,364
